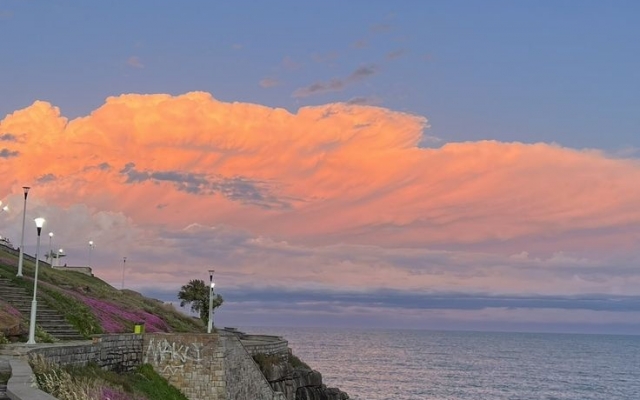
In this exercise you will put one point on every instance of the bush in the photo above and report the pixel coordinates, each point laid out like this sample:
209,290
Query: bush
92,383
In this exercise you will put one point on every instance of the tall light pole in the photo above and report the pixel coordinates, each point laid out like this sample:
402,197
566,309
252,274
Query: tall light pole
34,303
124,263
25,189
50,250
59,254
212,284
90,250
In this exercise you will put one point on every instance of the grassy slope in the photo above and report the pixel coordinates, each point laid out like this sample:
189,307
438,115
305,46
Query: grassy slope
92,305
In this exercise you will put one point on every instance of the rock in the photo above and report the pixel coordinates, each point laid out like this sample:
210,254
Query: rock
300,383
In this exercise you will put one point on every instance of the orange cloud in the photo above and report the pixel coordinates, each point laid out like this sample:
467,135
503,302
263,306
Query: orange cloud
300,183
351,171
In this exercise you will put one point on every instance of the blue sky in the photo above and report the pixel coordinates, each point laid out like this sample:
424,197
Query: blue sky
560,71
519,232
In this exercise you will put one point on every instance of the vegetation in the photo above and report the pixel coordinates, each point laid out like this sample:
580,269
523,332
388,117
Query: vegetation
196,294
93,383
89,304
4,377
269,362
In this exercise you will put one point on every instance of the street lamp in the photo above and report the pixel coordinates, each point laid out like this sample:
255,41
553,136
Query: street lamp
59,254
210,324
4,209
90,248
34,303
25,189
124,263
50,258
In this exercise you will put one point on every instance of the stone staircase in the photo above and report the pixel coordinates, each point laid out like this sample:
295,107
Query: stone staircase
49,320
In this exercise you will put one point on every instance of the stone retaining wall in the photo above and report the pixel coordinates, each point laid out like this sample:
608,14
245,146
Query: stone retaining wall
119,353
207,366
263,344
203,366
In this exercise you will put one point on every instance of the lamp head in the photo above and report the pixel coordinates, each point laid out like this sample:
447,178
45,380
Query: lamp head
25,189
5,208
39,225
50,234
60,251
90,243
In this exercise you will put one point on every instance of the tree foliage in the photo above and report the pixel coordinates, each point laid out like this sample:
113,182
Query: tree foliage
196,294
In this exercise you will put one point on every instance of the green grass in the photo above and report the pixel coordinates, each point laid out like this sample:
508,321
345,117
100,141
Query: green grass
92,383
4,377
147,381
56,287
267,362
297,363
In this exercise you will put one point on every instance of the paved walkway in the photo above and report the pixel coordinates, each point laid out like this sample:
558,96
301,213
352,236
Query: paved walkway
21,381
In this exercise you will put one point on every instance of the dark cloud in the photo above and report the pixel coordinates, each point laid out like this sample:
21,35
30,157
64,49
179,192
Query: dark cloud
268,83
395,54
8,137
364,101
361,73
46,178
336,84
105,166
6,153
447,301
237,188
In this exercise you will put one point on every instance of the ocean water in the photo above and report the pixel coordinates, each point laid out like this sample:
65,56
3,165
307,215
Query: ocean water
416,365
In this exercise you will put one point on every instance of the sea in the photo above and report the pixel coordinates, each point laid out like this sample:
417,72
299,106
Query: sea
417,365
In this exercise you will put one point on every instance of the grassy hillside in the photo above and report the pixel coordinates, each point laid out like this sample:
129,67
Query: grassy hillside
90,304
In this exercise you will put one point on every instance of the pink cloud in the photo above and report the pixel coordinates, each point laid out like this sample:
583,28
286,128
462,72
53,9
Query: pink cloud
291,188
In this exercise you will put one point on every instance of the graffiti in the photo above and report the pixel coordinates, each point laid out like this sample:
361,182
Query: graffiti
172,369
161,352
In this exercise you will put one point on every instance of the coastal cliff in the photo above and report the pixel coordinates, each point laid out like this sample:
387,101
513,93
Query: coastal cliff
287,374
304,384
284,371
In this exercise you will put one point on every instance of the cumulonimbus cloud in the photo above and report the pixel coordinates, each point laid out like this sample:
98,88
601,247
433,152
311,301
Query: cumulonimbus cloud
334,174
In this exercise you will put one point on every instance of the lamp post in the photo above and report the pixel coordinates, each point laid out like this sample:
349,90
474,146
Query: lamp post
25,189
124,263
59,254
50,250
90,251
4,209
212,283
34,303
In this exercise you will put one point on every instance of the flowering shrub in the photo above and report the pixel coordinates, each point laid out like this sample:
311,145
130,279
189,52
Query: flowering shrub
115,319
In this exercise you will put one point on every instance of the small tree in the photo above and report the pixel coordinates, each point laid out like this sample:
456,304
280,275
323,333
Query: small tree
196,294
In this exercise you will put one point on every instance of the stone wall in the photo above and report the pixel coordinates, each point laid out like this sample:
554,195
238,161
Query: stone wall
264,344
207,366
202,366
120,352
243,377
189,361
82,270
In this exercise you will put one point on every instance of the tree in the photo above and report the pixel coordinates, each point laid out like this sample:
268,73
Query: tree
196,294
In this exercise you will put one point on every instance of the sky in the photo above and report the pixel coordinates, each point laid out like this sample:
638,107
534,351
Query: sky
466,165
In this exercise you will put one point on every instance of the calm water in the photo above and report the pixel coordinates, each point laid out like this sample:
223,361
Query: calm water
412,365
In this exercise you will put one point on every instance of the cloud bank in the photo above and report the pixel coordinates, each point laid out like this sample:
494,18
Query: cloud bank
339,197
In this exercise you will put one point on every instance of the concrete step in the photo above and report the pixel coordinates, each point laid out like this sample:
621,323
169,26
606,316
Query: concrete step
48,319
